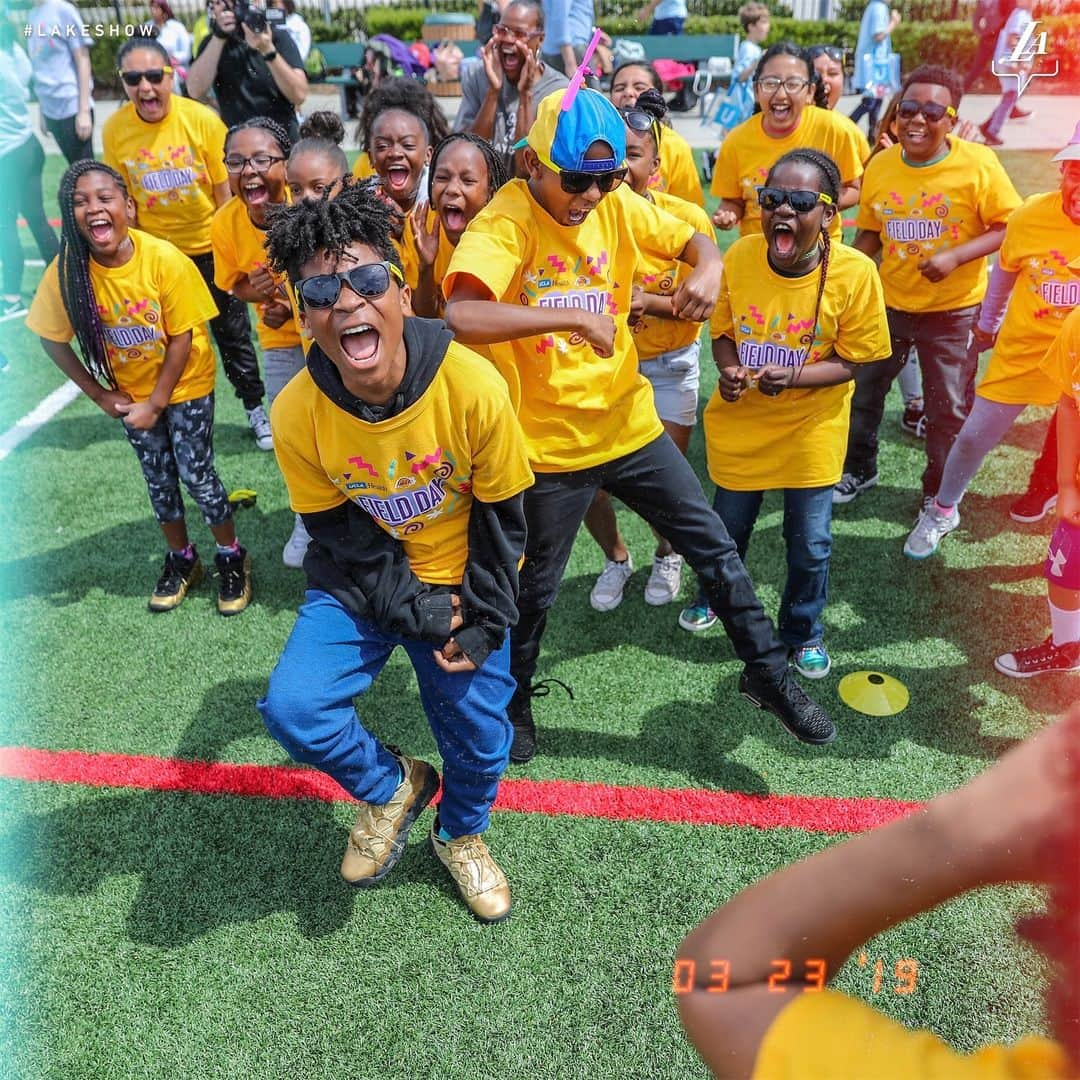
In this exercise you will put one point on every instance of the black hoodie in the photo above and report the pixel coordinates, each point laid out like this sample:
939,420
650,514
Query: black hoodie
367,570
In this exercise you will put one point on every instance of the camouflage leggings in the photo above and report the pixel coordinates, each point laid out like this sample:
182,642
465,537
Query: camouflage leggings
180,446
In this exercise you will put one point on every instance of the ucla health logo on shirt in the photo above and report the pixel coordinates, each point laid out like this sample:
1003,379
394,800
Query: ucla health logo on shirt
397,501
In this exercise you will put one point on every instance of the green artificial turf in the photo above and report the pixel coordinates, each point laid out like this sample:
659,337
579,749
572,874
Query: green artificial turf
151,934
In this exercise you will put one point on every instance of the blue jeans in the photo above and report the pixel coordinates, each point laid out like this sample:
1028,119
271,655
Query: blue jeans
333,656
808,535
667,26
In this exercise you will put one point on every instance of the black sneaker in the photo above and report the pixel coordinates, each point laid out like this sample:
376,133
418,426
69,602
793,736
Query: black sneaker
234,581
1044,659
790,704
519,713
850,486
178,576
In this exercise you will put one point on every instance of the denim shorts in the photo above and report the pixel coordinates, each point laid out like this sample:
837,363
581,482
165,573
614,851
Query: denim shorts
1063,557
675,377
279,366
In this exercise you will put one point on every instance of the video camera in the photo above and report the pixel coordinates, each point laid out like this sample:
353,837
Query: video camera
256,19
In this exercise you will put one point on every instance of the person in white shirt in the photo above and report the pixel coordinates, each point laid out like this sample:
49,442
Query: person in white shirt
171,32
298,30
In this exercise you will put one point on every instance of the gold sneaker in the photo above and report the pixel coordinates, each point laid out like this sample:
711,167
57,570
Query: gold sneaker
378,836
234,581
481,883
178,577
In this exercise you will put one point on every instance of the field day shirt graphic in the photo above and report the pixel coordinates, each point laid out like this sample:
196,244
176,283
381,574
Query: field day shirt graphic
577,409
171,168
919,212
1040,242
155,296
798,438
415,473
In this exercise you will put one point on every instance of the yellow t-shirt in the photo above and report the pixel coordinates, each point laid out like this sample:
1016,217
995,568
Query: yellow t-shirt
919,211
1040,242
661,277
577,409
362,167
156,295
747,155
1062,362
417,473
170,168
678,174
406,249
240,248
830,1036
797,439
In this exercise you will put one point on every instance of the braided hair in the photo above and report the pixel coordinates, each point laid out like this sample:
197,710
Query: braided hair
73,266
830,183
356,214
652,102
409,95
281,136
789,48
322,133
498,174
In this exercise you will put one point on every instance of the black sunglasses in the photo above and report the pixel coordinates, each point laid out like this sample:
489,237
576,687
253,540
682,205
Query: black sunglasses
802,202
909,109
833,52
577,183
369,281
153,76
639,120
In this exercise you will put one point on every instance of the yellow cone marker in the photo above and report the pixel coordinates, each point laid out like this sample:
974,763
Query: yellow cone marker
873,693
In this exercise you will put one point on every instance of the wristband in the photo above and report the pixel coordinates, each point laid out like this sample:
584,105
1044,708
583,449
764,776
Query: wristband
270,56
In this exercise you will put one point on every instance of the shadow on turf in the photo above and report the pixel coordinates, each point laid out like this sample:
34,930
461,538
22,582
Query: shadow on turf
125,561
202,862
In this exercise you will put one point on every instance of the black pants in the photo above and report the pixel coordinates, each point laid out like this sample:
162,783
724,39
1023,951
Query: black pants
657,483
868,107
232,332
20,177
71,146
948,363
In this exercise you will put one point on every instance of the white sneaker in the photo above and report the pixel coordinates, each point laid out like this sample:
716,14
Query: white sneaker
607,592
260,426
296,546
931,528
665,581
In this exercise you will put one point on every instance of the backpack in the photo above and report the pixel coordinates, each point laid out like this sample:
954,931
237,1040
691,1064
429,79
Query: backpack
988,18
401,57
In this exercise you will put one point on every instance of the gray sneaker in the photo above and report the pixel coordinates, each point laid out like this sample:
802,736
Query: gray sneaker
260,428
931,528
607,593
665,580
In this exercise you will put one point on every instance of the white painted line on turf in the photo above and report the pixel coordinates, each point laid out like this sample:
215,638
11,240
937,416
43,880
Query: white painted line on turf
16,315
40,415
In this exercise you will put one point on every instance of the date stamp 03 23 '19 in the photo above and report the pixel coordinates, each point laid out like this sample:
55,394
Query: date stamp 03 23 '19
813,978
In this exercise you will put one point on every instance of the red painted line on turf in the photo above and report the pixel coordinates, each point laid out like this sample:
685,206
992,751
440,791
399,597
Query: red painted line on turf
669,805
55,222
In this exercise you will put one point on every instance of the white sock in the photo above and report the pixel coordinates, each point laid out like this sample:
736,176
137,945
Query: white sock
1065,625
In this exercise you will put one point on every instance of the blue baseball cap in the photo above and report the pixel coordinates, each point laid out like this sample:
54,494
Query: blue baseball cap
561,138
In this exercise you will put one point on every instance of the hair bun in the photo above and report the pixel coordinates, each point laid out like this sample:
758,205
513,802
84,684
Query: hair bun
323,125
652,102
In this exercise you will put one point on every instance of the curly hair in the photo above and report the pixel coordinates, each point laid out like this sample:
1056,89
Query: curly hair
938,76
355,215
322,133
496,166
73,266
409,95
